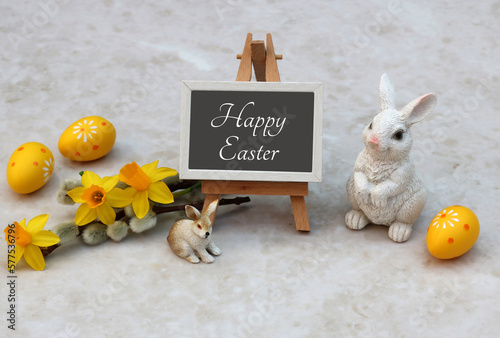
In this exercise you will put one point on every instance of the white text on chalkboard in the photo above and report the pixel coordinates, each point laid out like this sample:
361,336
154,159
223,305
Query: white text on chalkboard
266,123
245,154
266,126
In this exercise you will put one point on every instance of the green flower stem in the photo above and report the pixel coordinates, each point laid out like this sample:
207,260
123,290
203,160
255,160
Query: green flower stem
181,184
185,191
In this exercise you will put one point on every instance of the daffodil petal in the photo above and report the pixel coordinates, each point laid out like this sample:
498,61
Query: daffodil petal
23,223
33,256
131,191
159,192
90,178
106,214
150,168
85,214
45,238
161,173
76,194
141,204
37,223
118,198
18,253
109,182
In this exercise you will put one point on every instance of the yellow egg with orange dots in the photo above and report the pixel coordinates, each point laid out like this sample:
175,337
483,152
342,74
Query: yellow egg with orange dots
452,232
87,139
30,167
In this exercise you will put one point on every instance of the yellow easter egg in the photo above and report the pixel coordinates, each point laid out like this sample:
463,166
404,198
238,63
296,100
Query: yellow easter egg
452,232
87,139
29,167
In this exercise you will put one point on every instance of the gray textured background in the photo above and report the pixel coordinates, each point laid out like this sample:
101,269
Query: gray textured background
125,60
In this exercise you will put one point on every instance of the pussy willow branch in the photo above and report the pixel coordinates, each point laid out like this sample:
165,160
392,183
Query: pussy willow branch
158,210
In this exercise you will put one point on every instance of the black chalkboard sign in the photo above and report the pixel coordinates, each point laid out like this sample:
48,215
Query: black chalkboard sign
252,131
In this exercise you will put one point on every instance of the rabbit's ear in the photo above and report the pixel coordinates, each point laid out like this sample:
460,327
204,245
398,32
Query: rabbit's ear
386,93
419,108
212,207
192,212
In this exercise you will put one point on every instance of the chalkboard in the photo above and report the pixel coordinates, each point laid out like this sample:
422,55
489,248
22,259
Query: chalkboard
251,131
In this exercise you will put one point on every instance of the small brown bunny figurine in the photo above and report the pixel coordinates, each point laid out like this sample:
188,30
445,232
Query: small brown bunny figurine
190,238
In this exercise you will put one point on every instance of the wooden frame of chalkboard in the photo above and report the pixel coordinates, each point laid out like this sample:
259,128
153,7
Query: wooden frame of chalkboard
251,131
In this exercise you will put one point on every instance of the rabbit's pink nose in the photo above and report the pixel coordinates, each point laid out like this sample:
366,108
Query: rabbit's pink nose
374,141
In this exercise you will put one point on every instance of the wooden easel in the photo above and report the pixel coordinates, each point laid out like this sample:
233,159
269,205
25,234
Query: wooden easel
266,69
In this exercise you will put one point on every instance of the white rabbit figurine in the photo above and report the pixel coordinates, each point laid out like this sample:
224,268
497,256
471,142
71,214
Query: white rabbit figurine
190,238
385,188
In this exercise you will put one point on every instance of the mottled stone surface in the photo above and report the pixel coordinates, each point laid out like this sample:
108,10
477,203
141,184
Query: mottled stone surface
125,60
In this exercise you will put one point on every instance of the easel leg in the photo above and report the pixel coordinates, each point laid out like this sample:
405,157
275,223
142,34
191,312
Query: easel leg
300,213
209,198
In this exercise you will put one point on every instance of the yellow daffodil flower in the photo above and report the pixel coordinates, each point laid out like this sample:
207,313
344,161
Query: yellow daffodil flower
146,183
29,239
98,197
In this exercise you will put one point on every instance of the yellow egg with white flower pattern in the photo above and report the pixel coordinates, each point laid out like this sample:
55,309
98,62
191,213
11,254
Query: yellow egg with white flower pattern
30,167
87,139
452,232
